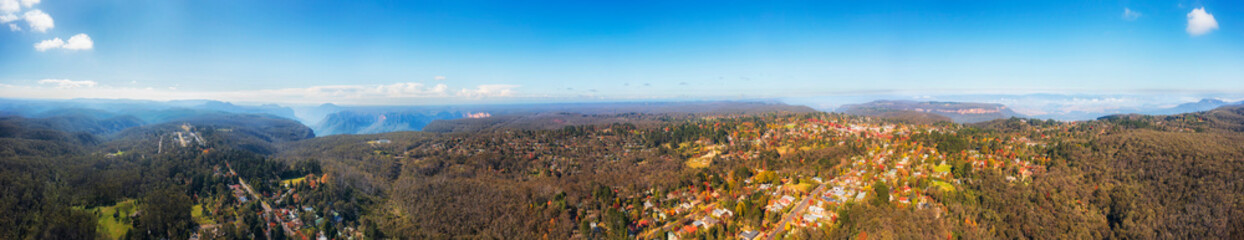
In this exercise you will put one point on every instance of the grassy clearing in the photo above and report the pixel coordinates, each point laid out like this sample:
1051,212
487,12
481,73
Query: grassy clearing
196,213
803,187
702,161
114,220
291,182
699,162
943,185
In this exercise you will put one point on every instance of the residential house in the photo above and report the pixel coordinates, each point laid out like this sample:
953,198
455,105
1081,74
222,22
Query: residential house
749,235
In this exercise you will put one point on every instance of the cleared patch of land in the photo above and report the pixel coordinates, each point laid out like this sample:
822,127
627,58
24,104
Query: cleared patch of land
114,220
196,212
291,182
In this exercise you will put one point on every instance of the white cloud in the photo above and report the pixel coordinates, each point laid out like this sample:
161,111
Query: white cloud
49,44
14,27
8,18
79,42
411,89
1130,15
439,78
10,6
489,90
1200,22
66,83
38,20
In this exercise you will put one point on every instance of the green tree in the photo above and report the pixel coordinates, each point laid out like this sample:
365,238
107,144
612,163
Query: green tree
278,233
881,194
164,214
585,229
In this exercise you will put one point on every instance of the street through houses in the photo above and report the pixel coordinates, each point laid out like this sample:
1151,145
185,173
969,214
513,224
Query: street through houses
266,208
798,209
691,216
794,213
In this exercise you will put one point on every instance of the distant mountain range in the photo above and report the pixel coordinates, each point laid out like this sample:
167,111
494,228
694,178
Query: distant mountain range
1198,106
1203,105
972,112
365,120
104,116
150,112
960,112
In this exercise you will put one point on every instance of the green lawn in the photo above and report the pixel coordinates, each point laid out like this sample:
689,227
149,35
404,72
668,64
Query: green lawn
699,162
115,227
291,182
196,213
803,187
944,186
943,168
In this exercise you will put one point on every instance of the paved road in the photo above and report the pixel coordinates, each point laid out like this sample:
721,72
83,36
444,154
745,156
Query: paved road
794,213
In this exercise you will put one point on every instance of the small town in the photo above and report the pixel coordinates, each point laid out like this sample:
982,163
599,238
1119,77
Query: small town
895,169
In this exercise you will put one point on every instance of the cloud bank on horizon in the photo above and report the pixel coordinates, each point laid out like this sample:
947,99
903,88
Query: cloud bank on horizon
496,52
390,94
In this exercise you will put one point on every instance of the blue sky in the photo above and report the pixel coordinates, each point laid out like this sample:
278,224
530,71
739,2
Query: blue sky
446,52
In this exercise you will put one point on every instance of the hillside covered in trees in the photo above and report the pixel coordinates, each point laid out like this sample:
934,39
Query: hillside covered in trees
718,175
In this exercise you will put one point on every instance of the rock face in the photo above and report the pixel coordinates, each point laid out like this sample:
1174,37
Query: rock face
960,112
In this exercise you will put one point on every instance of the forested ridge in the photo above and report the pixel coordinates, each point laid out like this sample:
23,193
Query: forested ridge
622,176
52,179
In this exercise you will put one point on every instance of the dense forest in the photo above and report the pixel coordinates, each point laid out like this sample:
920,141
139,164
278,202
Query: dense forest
622,176
54,172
